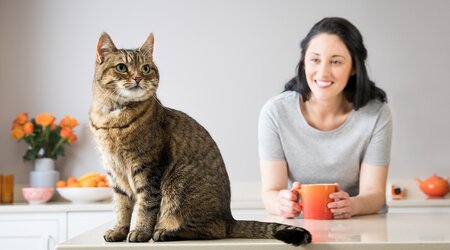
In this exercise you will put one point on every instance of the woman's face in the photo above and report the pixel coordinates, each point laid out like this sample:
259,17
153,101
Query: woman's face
328,66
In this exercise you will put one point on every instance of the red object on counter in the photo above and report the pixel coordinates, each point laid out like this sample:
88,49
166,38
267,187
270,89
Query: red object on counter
397,193
434,186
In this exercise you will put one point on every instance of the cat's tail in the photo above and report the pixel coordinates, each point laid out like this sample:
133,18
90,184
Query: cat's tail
263,230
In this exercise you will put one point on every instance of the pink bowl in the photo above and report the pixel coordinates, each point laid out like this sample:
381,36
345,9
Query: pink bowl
37,195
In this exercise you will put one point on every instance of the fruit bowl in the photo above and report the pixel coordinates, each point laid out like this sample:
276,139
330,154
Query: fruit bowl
36,195
85,194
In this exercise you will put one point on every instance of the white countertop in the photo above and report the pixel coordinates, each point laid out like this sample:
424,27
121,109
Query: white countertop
60,206
384,231
419,202
65,206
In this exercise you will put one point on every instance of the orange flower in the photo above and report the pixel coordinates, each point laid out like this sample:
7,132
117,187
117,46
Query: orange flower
43,132
21,119
73,138
45,119
66,133
69,121
28,128
16,124
17,132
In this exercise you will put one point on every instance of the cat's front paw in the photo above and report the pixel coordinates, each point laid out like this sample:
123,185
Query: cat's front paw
138,235
116,234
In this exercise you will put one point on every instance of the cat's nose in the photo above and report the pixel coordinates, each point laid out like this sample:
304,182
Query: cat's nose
138,79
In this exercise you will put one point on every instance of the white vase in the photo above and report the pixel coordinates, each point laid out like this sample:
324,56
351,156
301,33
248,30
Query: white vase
44,173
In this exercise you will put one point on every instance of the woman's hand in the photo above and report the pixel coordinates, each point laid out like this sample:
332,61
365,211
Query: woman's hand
287,202
342,207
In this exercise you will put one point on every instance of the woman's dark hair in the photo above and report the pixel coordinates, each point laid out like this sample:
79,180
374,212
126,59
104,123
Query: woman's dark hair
359,89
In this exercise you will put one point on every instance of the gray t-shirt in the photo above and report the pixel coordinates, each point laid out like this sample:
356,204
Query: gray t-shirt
315,156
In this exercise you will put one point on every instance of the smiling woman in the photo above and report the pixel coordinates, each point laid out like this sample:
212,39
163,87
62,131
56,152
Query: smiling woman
328,66
330,125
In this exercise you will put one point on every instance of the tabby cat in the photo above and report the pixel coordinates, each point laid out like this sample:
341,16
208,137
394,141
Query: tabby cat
160,161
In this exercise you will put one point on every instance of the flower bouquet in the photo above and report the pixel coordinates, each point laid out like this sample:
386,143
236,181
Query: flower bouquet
45,139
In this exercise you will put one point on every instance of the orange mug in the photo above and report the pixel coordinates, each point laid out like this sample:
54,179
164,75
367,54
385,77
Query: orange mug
314,199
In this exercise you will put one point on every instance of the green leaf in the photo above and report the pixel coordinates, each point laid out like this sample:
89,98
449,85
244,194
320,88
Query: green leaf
31,154
59,151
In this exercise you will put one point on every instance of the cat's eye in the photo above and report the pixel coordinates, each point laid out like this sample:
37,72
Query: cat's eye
145,69
121,68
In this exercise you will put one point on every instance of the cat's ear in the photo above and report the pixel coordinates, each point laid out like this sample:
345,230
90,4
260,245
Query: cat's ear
105,45
147,46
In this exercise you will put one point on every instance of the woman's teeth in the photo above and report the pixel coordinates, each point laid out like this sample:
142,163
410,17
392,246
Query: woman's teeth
323,83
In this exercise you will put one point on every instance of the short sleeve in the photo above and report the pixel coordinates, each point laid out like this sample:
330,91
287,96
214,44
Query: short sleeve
269,143
379,149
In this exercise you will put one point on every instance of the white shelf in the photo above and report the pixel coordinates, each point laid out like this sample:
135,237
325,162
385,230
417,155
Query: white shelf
55,207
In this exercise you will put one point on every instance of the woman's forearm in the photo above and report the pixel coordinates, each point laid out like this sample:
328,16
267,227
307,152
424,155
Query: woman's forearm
270,201
368,203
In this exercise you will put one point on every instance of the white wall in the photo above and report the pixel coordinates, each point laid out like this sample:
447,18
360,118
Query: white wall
219,62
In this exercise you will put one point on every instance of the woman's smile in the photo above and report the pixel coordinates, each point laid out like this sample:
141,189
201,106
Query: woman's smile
323,84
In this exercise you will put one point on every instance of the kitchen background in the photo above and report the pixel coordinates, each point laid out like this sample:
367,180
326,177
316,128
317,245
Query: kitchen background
220,61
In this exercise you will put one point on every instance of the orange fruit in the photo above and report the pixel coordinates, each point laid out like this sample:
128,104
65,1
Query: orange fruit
71,179
73,184
102,184
89,183
100,178
61,183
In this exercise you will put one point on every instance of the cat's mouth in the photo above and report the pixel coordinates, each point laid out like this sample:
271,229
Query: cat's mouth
135,92
136,87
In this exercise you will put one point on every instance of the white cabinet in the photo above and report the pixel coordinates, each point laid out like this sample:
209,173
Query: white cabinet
80,222
24,231
25,227
41,227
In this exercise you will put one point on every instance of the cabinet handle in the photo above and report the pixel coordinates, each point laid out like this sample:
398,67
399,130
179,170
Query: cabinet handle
50,240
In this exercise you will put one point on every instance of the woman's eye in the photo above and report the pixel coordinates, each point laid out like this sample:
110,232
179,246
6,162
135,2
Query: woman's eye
336,62
121,68
314,60
145,69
